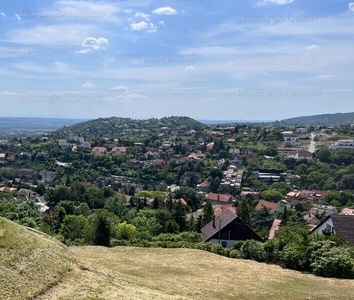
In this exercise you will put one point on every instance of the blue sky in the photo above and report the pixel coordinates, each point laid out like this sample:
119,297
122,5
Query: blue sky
246,59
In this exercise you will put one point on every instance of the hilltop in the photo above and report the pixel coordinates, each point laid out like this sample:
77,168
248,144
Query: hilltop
113,126
34,267
336,119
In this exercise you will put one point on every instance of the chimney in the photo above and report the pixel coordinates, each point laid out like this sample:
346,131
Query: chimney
218,198
214,221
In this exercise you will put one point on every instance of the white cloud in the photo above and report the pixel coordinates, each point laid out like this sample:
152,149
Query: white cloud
100,10
127,11
312,47
130,98
326,76
278,2
119,88
8,93
139,26
88,85
143,25
351,6
61,34
17,16
161,22
84,51
94,43
142,15
190,68
165,11
2,14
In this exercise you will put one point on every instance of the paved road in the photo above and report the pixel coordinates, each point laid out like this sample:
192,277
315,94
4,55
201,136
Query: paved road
312,146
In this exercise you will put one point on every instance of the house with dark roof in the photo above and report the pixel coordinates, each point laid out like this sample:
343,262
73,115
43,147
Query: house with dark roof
227,229
272,207
337,224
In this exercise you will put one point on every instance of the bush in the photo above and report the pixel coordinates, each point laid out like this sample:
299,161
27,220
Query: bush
253,250
218,249
238,245
235,254
204,246
337,262
117,242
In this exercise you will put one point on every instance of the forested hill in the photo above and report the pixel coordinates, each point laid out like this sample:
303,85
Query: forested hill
324,120
108,127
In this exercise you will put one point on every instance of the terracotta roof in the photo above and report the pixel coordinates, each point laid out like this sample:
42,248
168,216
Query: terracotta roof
271,206
205,183
220,197
183,202
347,212
304,153
275,227
218,209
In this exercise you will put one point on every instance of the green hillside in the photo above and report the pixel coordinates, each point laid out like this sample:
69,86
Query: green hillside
336,119
109,127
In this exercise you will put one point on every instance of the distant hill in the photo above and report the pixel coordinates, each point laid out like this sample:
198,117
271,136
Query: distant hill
113,126
336,119
22,127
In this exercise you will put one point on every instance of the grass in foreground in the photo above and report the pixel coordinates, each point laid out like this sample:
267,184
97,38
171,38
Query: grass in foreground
146,273
29,263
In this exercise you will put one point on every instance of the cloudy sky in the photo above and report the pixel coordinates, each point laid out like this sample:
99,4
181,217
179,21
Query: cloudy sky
245,59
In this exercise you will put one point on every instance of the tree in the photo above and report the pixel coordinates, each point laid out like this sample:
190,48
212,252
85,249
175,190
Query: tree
324,155
125,231
208,212
100,228
72,228
117,205
272,195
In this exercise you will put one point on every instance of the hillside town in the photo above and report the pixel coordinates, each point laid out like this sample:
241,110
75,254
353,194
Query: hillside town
227,183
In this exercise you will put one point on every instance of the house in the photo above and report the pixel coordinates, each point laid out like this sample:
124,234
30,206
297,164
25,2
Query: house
324,210
220,208
347,212
47,176
288,136
315,195
2,156
234,152
99,150
250,157
64,144
311,219
11,156
303,155
119,150
189,177
342,145
337,224
204,187
227,229
220,198
272,207
274,228
301,130
299,205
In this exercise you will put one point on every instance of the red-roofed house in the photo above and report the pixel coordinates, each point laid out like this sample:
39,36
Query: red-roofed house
272,207
204,187
119,150
303,155
220,198
220,208
99,150
181,200
347,212
311,219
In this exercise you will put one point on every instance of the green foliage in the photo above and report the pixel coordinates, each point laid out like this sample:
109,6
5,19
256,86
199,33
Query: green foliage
272,195
253,250
125,231
73,229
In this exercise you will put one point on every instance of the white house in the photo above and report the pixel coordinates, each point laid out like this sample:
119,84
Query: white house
343,145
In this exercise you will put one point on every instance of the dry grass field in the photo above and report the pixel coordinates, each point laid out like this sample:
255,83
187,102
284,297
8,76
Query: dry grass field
33,267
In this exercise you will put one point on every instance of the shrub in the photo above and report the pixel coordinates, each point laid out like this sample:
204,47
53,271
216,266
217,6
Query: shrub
204,246
253,250
235,254
337,262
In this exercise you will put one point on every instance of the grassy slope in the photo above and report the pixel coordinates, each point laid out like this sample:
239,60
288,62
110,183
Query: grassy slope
145,273
29,263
